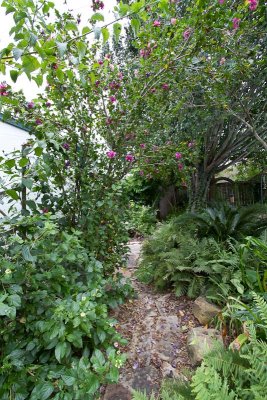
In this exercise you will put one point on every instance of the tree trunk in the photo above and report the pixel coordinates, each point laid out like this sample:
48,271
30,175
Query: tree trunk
199,189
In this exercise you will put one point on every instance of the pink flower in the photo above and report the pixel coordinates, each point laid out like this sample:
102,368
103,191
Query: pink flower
236,22
187,33
156,23
221,1
38,121
141,173
173,21
180,167
111,154
222,61
120,76
30,105
153,90
100,62
113,99
178,155
129,157
142,145
190,145
253,4
3,87
165,86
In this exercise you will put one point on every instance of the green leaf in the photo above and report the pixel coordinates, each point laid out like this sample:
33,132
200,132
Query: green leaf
81,46
86,30
17,53
62,48
7,311
60,350
135,24
14,75
23,162
27,254
30,64
105,34
14,300
10,163
42,391
113,374
117,31
71,26
27,182
68,380
38,151
13,194
98,17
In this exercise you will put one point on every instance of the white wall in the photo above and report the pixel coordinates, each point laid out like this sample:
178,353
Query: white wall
11,138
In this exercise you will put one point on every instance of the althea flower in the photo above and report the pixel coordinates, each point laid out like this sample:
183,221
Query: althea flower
178,155
129,157
111,154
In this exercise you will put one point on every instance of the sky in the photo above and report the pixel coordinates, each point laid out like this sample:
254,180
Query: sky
82,7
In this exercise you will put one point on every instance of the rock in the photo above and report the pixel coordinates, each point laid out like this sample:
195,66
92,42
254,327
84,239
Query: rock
117,392
204,311
200,341
146,380
169,371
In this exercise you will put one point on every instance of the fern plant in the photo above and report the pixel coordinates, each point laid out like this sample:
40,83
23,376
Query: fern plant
223,221
174,259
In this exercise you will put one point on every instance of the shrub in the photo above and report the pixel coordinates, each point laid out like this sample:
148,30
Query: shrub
56,336
142,220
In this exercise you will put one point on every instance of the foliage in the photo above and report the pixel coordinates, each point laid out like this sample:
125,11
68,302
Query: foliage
175,257
223,221
56,335
142,220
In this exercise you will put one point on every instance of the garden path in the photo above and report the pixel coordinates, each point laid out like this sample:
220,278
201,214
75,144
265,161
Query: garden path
156,327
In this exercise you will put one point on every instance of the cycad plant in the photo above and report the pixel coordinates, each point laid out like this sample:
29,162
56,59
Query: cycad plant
224,220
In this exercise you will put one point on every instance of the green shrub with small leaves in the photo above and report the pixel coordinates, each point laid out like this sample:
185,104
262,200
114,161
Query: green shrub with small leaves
56,336
142,219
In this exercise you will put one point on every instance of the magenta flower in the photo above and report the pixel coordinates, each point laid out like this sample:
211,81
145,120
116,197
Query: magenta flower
187,33
66,146
253,4
141,173
180,167
190,145
48,104
173,21
221,1
113,99
30,105
236,22
153,90
38,121
111,154
3,87
142,145
178,155
165,86
156,23
100,62
129,157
